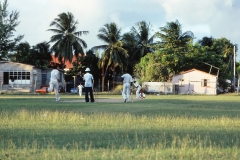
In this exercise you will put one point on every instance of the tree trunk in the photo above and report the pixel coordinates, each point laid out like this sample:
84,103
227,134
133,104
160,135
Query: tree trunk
102,78
113,77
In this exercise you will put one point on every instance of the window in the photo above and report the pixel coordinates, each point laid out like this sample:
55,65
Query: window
181,82
19,77
205,82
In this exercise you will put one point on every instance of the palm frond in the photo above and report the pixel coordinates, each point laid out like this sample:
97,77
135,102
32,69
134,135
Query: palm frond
57,25
56,30
103,37
99,47
55,38
82,42
67,38
80,33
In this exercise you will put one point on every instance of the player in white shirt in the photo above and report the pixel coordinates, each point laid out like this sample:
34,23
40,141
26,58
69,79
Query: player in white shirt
88,78
137,85
53,84
80,87
127,80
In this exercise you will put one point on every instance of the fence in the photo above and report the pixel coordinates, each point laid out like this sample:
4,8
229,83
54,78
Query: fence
148,87
158,87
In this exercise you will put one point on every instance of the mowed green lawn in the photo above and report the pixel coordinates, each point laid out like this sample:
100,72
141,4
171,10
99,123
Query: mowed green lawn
159,127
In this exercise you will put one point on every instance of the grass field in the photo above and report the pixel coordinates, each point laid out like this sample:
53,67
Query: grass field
159,127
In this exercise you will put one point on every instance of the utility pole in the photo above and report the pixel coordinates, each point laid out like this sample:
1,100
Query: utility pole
234,59
74,78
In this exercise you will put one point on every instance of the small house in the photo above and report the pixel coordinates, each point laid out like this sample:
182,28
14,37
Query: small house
21,77
194,82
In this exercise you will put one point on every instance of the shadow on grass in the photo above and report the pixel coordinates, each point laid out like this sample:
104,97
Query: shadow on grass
196,106
129,138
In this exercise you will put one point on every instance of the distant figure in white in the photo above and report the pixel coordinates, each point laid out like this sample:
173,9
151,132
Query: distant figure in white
53,84
137,85
127,80
12,82
80,87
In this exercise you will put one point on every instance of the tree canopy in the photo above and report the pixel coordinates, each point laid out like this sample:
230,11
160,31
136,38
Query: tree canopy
38,55
113,55
66,39
138,42
8,23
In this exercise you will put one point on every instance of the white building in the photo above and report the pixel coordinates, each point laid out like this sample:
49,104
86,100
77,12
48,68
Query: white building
23,77
194,81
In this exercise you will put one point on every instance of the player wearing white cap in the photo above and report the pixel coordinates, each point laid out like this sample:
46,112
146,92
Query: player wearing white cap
88,78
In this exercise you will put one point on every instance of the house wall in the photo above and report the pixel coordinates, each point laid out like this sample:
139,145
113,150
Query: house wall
27,78
19,76
193,82
37,79
158,87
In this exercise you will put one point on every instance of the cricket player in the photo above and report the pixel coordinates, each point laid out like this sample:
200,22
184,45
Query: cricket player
137,85
80,87
53,84
127,81
88,85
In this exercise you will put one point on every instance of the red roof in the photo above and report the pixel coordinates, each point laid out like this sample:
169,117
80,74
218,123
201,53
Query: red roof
67,63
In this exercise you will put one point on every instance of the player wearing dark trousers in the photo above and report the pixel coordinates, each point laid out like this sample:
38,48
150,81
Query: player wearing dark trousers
88,78
90,91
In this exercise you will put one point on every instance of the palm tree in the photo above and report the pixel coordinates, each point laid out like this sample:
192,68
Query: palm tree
138,42
206,41
172,35
39,55
142,34
113,55
22,54
174,45
66,40
42,54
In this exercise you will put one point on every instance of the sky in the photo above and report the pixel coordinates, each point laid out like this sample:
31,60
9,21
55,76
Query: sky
205,18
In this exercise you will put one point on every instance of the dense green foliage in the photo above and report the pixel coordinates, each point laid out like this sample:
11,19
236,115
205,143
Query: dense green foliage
8,23
89,60
138,42
114,54
175,52
38,55
150,68
173,46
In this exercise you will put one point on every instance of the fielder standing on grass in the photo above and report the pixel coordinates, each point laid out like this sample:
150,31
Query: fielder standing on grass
53,84
88,78
137,85
80,87
127,80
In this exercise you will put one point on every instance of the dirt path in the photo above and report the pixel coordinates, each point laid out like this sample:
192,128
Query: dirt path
97,100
